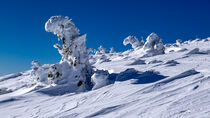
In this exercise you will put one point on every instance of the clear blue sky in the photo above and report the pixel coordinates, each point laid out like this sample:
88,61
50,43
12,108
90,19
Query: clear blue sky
106,23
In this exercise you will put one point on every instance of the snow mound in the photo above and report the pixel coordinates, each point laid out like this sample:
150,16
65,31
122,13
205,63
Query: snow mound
155,61
100,79
195,51
137,62
171,63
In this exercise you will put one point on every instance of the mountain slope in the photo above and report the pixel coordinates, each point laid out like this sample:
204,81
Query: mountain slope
175,84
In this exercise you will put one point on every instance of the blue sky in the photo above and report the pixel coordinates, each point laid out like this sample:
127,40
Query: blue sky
106,22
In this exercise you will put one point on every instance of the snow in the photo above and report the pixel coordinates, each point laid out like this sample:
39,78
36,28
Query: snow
173,84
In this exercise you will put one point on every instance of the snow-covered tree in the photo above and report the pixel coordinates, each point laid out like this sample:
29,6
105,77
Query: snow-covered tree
73,48
39,73
178,42
131,40
154,44
142,42
112,50
74,69
102,49
35,65
92,50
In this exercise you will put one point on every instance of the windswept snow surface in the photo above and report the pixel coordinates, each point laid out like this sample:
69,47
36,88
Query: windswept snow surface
171,85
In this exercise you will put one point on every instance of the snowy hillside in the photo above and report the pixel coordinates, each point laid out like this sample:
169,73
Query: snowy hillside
150,81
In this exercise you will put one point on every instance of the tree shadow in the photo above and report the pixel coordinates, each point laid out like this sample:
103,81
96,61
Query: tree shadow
139,77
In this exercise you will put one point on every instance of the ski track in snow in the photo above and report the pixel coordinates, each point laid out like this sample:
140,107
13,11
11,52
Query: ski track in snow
182,91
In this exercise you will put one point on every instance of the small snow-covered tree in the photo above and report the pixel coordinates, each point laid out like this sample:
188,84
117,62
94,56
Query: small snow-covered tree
131,40
142,42
102,50
92,50
112,50
178,42
154,44
35,65
39,73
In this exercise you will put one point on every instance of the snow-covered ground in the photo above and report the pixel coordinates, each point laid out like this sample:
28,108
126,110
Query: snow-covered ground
171,85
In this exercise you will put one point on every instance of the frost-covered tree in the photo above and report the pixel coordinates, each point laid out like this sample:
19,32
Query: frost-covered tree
142,42
131,40
154,44
178,42
39,73
74,70
112,50
73,73
102,49
35,65
73,49
92,50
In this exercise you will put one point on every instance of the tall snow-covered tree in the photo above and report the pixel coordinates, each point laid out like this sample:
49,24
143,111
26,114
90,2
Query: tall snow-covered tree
74,68
73,73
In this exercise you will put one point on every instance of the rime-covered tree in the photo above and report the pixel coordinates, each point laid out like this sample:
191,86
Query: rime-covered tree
74,71
102,49
154,44
178,42
142,42
131,40
112,50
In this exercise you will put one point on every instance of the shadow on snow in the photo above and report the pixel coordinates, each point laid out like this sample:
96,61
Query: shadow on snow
139,77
